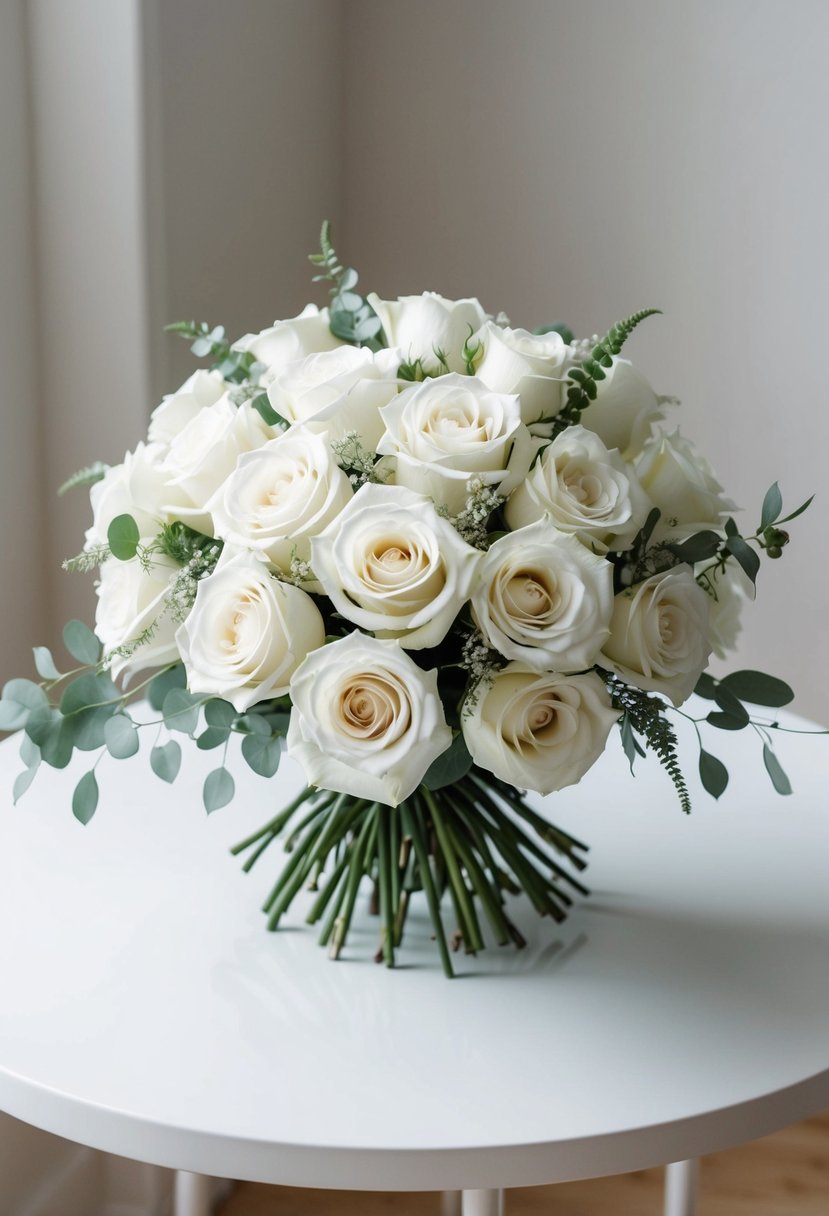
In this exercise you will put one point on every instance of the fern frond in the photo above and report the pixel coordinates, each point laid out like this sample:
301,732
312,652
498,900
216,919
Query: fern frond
646,716
583,379
85,477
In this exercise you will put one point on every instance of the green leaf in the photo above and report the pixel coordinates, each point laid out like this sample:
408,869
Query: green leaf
775,770
628,741
758,688
91,690
713,774
52,735
772,506
803,507
85,798
697,548
85,477
181,710
123,537
45,664
21,783
730,704
88,727
173,677
20,698
165,761
219,789
219,713
449,766
255,724
744,554
214,736
262,754
121,737
81,642
266,411
29,752
558,327
705,686
725,721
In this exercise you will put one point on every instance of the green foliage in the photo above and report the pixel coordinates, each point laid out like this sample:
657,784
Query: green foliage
160,685
713,774
775,771
351,317
85,477
85,798
557,327
45,664
165,761
123,537
758,688
121,737
583,380
20,699
262,753
219,788
81,642
180,710
235,366
645,716
450,766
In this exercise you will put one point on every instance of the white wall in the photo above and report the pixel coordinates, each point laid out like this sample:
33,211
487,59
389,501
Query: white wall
582,159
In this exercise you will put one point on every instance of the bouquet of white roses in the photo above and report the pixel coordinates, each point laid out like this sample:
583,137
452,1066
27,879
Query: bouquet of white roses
438,559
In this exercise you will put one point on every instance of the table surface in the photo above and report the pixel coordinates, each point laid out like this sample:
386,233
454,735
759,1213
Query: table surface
683,1007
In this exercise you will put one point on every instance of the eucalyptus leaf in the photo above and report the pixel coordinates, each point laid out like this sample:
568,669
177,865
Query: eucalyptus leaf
219,789
775,770
725,721
267,413
730,704
705,686
758,688
713,774
85,798
81,642
121,737
181,710
219,713
45,664
772,506
214,736
744,554
88,727
92,690
29,752
165,761
123,537
697,548
171,677
24,694
449,766
255,724
21,783
803,507
262,754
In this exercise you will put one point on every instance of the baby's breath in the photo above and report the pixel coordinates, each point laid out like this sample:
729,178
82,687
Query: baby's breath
181,594
472,522
482,662
356,461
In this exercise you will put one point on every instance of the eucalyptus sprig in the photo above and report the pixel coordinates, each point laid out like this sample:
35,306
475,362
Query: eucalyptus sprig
351,317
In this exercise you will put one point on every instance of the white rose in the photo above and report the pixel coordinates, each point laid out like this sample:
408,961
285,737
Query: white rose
247,633
204,454
366,720
131,601
730,592
625,409
421,326
539,732
281,495
586,489
391,564
119,492
338,391
659,634
680,481
445,431
516,361
286,341
201,389
544,599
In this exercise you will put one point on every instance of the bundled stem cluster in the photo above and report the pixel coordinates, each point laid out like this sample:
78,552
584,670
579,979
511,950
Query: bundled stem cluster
478,840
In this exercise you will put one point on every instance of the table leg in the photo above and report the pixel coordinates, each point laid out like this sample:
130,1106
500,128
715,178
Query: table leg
192,1194
681,1179
483,1203
450,1203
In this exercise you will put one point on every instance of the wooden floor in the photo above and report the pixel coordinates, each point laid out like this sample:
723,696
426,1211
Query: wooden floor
786,1174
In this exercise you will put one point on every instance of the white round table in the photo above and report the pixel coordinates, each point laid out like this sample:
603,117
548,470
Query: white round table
682,1008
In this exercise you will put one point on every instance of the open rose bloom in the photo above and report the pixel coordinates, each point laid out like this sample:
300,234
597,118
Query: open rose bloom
438,559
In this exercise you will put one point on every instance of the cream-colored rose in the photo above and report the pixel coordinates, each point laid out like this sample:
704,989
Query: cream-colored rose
731,590
286,341
625,409
532,365
201,389
421,326
281,495
132,601
585,489
544,599
338,391
391,564
247,633
659,637
204,454
366,720
538,731
680,481
445,431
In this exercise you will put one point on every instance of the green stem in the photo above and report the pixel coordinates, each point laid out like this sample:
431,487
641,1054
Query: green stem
278,822
414,827
384,863
469,920
356,870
